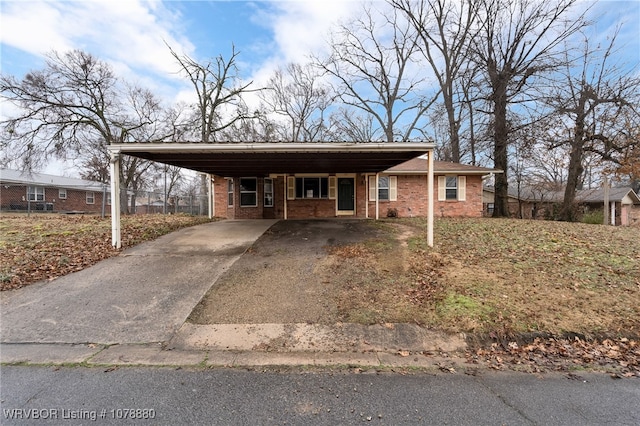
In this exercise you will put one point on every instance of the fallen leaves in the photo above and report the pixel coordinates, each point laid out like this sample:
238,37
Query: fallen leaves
44,247
620,356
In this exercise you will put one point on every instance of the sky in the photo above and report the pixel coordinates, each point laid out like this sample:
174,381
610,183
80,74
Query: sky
132,35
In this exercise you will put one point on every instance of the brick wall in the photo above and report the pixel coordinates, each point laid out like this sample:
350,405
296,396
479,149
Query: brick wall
412,199
12,199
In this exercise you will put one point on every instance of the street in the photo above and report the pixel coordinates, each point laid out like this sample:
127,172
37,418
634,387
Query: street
155,395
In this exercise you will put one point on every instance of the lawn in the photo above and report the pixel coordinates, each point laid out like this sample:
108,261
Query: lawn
46,246
496,276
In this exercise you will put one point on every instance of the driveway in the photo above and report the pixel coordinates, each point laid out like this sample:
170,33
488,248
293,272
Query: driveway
143,295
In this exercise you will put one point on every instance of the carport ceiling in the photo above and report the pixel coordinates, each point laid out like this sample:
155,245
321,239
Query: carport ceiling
262,159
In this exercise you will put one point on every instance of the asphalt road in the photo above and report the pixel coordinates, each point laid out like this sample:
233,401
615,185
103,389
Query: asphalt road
69,396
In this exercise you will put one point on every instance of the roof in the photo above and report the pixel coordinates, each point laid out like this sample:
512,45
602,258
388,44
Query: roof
615,194
9,176
419,165
582,195
261,159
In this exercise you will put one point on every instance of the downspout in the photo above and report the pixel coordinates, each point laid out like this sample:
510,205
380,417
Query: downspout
430,199
114,168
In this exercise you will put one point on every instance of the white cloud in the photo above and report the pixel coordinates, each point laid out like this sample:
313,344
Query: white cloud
129,34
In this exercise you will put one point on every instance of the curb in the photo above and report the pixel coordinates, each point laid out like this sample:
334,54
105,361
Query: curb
154,354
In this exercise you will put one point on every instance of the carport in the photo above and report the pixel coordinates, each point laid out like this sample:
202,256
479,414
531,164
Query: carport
229,159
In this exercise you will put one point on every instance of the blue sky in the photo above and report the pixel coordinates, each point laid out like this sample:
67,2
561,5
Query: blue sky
131,34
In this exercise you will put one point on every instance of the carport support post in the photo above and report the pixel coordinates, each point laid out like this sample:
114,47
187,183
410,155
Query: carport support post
210,189
114,166
377,197
286,194
430,199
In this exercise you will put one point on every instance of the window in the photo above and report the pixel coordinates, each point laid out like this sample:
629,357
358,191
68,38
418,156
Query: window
91,198
230,192
268,192
248,192
387,188
35,193
62,194
452,188
383,188
312,187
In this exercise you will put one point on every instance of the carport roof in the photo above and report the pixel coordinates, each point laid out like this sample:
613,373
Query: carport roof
261,159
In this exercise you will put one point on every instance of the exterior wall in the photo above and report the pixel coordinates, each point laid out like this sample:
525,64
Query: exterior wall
15,198
412,199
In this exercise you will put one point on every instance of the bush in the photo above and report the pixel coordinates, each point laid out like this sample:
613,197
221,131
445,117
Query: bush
594,217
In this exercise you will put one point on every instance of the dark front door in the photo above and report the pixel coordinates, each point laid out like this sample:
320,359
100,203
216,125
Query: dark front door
346,194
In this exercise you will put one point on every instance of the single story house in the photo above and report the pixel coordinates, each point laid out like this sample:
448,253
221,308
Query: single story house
401,192
530,203
22,191
318,180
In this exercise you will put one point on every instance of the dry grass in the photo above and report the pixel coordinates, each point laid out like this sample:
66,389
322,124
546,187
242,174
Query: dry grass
496,276
46,246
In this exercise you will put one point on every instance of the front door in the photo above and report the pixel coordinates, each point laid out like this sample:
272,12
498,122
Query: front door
346,190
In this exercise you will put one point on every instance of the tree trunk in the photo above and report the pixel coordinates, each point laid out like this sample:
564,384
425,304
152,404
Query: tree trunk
567,211
501,141
454,138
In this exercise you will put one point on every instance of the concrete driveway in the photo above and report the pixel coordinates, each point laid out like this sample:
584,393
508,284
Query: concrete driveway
143,295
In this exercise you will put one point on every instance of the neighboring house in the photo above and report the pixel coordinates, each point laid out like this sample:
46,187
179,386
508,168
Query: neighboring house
21,191
624,203
402,192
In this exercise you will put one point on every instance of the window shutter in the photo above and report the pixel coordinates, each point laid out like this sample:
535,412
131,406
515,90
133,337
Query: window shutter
372,188
462,188
332,187
393,188
442,188
291,188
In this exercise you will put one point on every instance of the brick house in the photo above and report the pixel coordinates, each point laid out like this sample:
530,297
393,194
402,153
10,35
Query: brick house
286,180
402,192
21,191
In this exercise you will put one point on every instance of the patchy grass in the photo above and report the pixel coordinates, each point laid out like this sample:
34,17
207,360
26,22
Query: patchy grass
496,276
47,246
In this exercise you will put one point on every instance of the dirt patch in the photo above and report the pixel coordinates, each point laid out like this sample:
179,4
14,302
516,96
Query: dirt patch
286,276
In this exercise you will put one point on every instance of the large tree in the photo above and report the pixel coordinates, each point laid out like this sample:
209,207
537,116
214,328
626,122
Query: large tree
219,89
298,94
373,60
596,99
75,98
73,109
517,41
444,29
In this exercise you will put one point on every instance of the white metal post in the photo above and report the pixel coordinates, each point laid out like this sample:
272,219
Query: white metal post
377,197
366,196
114,167
211,196
430,199
286,194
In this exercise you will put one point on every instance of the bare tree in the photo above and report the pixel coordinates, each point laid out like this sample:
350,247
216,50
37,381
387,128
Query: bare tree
374,65
219,91
445,29
75,97
350,125
595,98
297,93
517,41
